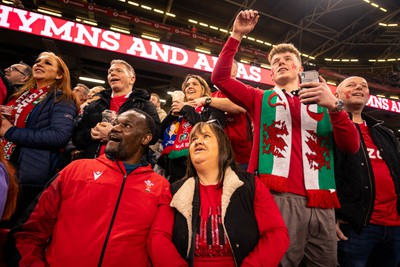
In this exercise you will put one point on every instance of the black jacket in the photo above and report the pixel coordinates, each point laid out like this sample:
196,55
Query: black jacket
355,178
239,220
82,139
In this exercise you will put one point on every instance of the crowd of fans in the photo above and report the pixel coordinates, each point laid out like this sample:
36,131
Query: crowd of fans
383,77
231,176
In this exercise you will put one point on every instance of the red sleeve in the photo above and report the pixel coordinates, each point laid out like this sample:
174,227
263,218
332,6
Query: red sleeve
235,90
3,92
274,238
31,238
345,132
159,243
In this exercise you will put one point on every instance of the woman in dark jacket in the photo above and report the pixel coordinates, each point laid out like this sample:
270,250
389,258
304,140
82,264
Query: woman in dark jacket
176,127
221,216
40,125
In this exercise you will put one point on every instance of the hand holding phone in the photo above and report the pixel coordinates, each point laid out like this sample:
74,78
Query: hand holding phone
308,77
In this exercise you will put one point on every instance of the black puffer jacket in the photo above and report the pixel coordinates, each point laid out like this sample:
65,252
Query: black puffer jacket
355,178
82,139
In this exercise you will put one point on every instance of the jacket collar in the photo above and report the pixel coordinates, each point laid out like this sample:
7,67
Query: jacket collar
184,197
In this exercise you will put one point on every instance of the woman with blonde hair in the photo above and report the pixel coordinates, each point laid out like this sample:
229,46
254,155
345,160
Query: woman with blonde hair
39,125
176,127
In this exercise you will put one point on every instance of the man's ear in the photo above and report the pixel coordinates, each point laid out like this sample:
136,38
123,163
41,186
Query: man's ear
24,79
146,139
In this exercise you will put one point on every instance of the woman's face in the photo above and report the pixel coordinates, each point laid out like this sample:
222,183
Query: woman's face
45,70
193,89
204,148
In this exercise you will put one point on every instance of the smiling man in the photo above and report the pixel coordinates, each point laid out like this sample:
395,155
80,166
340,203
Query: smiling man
91,134
293,144
368,187
96,212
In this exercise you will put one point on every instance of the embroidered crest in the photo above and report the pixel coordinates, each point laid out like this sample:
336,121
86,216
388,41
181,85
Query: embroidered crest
273,143
320,154
148,184
183,137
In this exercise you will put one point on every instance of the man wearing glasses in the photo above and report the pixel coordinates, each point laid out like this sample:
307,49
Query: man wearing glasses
12,79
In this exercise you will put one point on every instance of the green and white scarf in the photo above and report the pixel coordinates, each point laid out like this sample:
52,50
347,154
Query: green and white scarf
316,145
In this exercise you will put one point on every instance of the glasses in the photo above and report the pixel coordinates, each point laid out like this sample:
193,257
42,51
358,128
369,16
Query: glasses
12,68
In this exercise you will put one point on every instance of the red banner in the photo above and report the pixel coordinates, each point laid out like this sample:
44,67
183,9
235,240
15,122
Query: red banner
69,31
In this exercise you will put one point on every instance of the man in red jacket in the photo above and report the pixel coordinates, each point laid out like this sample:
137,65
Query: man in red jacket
96,212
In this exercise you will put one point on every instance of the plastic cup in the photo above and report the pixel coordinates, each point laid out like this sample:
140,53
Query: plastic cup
177,96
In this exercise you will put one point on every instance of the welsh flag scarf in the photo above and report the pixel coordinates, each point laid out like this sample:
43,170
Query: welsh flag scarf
316,145
22,107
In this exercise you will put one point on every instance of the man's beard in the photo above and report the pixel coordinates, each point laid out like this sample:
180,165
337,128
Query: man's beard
116,153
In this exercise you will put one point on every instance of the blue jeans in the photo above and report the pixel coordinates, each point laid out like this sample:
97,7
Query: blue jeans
376,246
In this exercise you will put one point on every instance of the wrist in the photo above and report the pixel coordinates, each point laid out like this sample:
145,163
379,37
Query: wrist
339,106
207,101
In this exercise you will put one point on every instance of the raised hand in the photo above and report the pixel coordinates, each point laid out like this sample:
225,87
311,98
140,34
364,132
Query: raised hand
244,23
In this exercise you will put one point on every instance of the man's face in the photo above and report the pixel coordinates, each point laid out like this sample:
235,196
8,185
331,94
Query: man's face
354,92
128,136
119,78
15,74
154,100
80,93
285,68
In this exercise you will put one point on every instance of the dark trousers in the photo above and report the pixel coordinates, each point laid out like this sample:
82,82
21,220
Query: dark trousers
376,246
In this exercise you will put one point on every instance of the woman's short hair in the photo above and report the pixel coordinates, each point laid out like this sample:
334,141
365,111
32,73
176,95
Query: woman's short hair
225,151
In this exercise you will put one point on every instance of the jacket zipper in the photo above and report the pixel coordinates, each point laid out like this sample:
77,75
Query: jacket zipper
370,186
230,244
103,250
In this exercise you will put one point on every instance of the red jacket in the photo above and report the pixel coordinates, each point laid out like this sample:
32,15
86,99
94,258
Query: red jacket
92,210
238,128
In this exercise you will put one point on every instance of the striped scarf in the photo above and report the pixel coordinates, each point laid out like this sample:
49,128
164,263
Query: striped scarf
316,145
22,108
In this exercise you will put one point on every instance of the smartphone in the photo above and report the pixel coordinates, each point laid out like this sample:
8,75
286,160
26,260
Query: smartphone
309,76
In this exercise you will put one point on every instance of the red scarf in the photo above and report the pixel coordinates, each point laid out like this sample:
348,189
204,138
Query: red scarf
22,107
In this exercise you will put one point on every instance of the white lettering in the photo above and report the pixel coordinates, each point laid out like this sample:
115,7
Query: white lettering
5,11
202,63
373,153
82,31
26,23
242,73
138,46
255,73
158,52
179,56
50,28
395,106
110,40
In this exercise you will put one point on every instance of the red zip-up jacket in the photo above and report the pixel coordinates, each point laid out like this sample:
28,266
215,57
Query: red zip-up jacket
92,214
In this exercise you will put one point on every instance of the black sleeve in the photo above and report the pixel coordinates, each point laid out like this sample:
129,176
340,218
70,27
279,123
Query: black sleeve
81,137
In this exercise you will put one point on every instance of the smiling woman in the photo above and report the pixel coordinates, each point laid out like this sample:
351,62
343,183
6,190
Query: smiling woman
40,125
176,128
